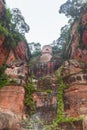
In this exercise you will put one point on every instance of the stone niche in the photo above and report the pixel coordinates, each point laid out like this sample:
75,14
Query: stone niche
46,53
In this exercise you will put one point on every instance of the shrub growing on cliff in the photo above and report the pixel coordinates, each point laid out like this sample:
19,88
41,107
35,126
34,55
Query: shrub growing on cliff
29,97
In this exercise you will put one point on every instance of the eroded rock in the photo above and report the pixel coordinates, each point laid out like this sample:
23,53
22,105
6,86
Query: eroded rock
12,99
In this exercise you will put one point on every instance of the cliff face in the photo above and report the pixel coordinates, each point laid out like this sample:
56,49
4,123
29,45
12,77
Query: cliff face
12,96
49,94
74,73
4,51
78,47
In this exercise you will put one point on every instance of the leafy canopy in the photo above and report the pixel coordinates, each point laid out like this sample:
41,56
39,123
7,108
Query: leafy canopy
73,8
18,22
13,26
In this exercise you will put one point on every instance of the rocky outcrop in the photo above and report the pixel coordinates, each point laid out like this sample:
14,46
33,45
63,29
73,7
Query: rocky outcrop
75,77
85,123
22,51
4,51
77,48
77,125
11,107
12,99
17,72
45,98
8,121
7,55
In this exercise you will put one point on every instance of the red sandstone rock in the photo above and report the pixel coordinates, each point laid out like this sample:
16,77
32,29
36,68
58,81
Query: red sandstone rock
72,67
84,37
74,45
18,72
42,99
11,57
81,55
85,123
2,38
12,99
75,100
22,51
4,51
75,77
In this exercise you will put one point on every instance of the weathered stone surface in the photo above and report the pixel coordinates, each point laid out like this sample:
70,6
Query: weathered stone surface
12,99
74,44
85,123
46,105
46,54
74,28
43,99
4,51
48,83
11,57
72,67
22,51
81,55
75,77
17,71
75,100
47,49
77,47
84,37
2,38
45,58
8,122
77,125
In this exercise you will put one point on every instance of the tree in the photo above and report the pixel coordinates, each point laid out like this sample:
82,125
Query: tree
73,8
35,48
18,22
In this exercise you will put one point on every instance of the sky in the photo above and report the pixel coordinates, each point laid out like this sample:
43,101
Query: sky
42,17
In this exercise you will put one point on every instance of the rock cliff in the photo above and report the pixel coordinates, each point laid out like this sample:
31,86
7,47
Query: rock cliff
13,78
60,98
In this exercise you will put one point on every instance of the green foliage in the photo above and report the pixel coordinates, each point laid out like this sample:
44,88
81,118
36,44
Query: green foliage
3,77
12,29
3,30
18,22
60,98
73,8
29,97
35,49
60,111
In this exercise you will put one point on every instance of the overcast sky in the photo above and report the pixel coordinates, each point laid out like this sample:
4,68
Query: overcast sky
42,17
